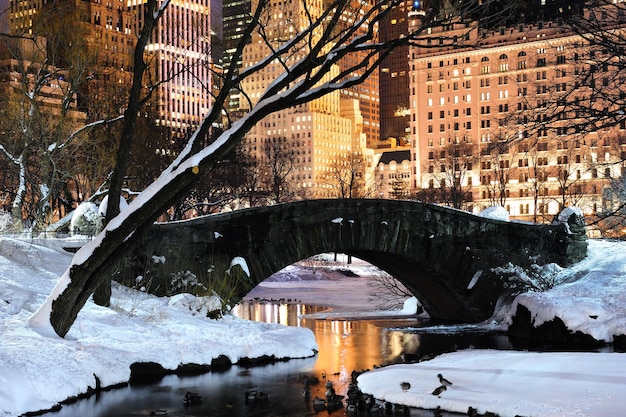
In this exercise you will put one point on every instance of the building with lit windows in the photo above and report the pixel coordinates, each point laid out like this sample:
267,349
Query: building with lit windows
394,77
181,49
393,174
320,135
501,123
366,93
237,15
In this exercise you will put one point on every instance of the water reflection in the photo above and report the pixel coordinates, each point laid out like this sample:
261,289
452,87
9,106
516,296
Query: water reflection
344,346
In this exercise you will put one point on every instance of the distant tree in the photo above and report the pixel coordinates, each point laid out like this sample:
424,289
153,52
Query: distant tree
610,216
400,188
39,113
500,160
277,165
455,170
536,174
386,291
347,176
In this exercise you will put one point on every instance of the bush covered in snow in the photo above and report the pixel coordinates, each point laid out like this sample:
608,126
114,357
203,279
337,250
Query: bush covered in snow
86,220
186,281
535,278
102,209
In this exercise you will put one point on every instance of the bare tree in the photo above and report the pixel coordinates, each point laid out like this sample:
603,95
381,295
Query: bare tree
346,176
386,291
456,165
608,165
536,174
499,159
277,165
36,135
308,57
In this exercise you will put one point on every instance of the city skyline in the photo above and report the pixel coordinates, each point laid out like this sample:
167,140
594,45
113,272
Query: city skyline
477,107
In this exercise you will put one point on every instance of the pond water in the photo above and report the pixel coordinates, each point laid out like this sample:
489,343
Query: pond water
344,346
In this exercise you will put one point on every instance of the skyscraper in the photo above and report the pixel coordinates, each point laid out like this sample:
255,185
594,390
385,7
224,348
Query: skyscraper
394,77
317,136
237,15
180,50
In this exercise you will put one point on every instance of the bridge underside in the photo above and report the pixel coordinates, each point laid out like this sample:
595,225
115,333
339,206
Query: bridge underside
445,257
431,288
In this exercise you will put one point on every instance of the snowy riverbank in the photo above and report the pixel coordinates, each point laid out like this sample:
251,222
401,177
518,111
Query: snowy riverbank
545,384
37,372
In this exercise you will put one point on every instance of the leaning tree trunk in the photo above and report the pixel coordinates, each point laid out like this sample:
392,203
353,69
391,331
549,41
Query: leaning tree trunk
94,262
107,250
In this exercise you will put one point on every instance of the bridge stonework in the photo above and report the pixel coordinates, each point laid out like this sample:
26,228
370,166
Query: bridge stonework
443,256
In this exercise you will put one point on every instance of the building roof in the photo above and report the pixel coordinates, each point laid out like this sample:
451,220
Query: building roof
398,156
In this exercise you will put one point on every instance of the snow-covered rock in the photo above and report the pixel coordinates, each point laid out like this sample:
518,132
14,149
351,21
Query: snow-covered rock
86,220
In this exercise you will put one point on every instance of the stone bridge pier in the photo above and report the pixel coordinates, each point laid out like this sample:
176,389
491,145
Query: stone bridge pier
443,256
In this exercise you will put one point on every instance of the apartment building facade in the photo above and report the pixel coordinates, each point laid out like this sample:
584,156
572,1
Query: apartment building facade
319,137
181,56
502,124
179,50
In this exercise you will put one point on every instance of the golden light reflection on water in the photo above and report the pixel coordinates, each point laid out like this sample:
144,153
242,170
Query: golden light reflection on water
344,345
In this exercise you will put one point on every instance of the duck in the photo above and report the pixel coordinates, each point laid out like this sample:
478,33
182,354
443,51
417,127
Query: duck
192,398
262,396
438,412
353,392
405,386
319,404
250,395
472,412
444,381
439,390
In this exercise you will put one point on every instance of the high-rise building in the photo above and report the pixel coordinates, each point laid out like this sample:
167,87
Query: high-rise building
394,77
501,124
180,47
237,16
366,93
319,136
105,31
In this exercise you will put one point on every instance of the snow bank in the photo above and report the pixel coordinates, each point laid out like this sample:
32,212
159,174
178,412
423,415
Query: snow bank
509,383
593,297
495,213
37,371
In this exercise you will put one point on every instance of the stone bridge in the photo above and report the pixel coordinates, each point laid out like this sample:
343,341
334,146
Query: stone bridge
443,256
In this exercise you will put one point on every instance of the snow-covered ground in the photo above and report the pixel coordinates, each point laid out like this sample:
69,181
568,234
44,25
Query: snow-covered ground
36,371
509,383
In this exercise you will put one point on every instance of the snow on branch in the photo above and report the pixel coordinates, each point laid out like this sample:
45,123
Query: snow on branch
54,146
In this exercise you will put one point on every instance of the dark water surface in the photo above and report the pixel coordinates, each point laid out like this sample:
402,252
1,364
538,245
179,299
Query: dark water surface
344,346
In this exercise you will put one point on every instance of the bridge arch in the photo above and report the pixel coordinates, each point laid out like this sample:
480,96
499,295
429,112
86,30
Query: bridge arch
443,256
